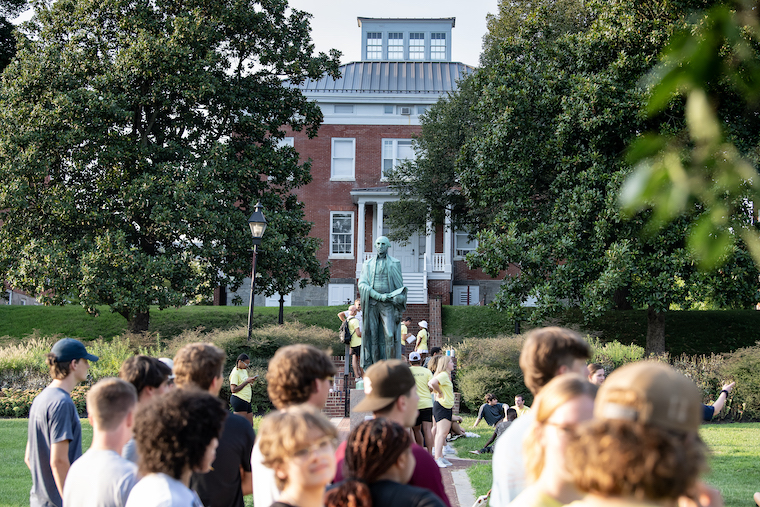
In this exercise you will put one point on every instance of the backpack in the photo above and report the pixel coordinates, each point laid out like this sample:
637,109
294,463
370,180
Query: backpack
344,333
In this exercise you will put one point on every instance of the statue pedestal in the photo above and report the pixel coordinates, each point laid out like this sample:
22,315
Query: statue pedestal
357,395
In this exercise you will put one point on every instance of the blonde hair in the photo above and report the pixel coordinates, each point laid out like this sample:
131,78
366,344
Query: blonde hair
109,401
556,393
441,364
284,432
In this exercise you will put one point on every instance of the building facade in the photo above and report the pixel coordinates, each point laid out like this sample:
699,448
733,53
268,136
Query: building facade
371,114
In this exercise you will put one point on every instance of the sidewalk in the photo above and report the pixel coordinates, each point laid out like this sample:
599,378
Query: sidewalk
455,479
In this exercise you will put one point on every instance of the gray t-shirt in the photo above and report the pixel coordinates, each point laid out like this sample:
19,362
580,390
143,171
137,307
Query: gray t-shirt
100,478
53,418
129,452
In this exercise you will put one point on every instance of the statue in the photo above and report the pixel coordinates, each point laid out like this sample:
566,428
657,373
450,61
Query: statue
383,298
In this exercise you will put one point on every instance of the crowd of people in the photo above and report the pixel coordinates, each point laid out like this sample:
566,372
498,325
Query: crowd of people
163,437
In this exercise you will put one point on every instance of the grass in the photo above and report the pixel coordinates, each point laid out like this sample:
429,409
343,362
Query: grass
18,322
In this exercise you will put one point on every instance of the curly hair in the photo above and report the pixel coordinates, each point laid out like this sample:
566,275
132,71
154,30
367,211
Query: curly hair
373,447
109,401
546,350
198,364
616,458
284,432
556,393
144,371
58,371
292,372
173,431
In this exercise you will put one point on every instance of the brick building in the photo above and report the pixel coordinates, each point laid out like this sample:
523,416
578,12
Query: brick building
370,116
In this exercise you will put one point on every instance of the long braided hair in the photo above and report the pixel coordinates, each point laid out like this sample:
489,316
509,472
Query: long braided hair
373,447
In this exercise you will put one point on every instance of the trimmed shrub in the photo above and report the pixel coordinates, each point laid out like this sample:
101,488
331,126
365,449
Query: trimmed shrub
743,367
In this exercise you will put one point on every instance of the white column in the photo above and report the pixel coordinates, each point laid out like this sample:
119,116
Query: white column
379,221
360,238
448,234
429,245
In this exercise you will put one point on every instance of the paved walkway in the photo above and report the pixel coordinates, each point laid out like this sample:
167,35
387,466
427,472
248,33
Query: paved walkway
455,479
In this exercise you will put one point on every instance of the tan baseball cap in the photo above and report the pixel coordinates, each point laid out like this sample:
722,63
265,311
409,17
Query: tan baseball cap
652,393
384,382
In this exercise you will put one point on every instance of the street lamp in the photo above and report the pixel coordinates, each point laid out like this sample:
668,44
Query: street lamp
258,225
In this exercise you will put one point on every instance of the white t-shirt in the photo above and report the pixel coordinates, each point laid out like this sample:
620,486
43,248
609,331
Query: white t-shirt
100,478
508,467
265,491
160,490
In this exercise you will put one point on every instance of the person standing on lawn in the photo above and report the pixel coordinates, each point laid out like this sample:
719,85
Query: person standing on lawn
443,388
54,438
423,426
101,477
390,391
240,385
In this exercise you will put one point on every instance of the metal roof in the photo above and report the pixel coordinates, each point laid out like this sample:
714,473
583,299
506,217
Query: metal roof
447,20
392,77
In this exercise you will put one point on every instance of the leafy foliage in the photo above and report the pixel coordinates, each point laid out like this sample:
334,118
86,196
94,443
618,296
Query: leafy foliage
136,138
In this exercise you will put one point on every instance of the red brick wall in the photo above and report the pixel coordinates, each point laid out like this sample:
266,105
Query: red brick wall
462,272
439,289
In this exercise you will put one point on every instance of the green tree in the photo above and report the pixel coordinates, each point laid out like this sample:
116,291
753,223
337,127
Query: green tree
558,100
136,137
8,9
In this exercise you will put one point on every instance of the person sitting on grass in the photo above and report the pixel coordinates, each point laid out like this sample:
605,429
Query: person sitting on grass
492,411
177,434
298,443
498,431
379,463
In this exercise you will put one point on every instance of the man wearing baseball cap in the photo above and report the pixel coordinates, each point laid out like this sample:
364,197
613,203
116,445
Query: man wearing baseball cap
55,434
643,445
391,392
423,426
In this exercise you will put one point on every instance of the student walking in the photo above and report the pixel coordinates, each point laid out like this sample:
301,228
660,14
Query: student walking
443,388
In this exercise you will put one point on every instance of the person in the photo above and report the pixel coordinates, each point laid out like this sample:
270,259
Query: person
563,403
596,374
199,366
643,445
391,393
498,430
443,388
546,353
150,377
101,477
708,411
492,411
434,352
406,336
383,295
354,327
54,438
422,338
359,316
298,444
423,426
177,434
520,407
297,374
240,385
379,464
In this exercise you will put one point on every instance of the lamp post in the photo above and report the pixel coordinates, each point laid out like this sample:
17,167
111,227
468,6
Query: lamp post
258,224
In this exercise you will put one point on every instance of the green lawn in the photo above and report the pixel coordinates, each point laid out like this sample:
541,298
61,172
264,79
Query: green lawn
735,461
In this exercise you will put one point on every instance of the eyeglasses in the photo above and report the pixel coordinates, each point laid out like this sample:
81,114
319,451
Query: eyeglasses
321,446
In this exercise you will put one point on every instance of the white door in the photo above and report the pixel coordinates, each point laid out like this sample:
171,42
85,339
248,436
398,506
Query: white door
340,294
465,295
275,300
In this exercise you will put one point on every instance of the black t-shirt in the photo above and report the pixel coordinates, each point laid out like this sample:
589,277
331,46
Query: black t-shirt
402,495
221,487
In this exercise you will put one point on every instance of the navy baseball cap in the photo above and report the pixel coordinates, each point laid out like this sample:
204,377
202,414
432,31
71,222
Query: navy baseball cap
68,349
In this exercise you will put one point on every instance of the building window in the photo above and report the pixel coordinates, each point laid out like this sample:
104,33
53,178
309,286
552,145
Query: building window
437,46
462,244
374,46
285,141
342,159
344,108
396,151
422,109
388,109
395,46
342,234
416,46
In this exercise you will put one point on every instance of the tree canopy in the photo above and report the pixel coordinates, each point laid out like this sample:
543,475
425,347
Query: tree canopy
554,107
136,138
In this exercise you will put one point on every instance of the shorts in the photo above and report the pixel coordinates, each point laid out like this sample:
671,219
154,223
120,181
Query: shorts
240,405
356,351
440,413
426,415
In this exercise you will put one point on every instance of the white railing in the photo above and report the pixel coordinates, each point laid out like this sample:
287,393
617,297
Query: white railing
368,256
439,261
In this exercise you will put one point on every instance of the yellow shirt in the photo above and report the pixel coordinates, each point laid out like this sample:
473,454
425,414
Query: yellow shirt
422,336
403,332
447,388
522,411
534,497
422,376
237,377
353,327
